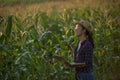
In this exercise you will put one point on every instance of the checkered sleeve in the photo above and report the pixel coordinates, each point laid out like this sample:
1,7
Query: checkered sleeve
88,54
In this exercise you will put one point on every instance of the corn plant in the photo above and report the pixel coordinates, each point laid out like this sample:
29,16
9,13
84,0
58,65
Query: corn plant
28,43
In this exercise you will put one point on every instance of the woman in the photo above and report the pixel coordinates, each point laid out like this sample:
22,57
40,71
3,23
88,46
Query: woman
84,51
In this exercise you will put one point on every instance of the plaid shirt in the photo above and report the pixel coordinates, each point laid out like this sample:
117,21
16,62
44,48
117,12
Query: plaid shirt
84,55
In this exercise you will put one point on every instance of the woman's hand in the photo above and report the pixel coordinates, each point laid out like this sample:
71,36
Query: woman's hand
67,64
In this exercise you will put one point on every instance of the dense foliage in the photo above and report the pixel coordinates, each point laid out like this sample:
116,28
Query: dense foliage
27,44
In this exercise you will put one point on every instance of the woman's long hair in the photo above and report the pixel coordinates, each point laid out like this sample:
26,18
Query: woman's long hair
90,37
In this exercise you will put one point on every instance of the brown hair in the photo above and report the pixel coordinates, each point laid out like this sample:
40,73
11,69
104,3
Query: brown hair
88,33
90,37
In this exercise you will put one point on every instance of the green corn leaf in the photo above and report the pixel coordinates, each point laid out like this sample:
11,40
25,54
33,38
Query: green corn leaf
9,27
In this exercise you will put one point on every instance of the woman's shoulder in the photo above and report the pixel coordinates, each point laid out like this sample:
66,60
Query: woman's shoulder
87,43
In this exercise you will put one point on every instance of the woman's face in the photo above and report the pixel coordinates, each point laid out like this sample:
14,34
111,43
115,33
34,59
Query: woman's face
78,30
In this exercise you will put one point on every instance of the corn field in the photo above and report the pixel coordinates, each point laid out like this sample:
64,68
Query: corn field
28,43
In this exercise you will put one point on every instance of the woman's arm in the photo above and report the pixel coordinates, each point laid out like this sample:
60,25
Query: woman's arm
86,58
88,54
